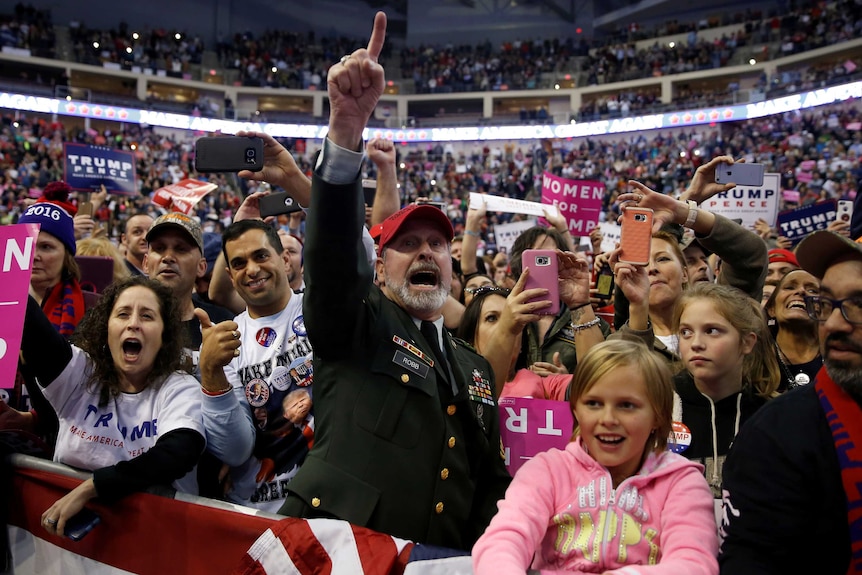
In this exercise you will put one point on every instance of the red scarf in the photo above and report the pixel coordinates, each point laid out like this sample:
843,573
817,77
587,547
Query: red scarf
64,306
845,420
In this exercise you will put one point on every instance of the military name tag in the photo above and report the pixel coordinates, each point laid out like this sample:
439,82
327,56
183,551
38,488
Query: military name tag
410,364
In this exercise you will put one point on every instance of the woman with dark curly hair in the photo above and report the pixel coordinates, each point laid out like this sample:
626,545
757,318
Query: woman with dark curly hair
126,411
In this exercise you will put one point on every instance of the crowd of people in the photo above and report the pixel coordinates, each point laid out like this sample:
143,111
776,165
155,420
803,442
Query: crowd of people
28,28
300,60
307,366
159,49
816,152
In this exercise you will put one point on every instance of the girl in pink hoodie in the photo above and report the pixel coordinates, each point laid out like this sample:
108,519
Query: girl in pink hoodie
615,500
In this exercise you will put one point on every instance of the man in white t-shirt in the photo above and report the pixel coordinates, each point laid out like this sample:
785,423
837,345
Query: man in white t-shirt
265,357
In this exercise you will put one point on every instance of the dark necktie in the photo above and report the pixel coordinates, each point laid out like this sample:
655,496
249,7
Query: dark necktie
429,332
432,336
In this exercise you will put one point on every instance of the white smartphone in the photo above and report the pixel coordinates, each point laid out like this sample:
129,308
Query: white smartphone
740,174
845,211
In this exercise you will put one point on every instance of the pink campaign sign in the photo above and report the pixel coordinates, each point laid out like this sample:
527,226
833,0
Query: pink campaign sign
530,426
17,246
580,201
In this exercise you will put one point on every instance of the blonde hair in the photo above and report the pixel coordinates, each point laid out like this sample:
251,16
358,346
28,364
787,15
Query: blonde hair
613,354
759,368
103,247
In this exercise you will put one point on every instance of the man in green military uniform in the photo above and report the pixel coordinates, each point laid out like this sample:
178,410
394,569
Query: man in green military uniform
407,435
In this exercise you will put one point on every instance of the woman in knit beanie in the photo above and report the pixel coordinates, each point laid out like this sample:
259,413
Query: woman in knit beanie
55,275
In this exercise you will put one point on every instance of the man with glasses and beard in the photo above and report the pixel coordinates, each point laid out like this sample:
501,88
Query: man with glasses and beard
407,437
791,495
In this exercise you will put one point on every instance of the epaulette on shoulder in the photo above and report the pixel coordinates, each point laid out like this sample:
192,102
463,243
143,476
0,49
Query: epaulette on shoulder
463,343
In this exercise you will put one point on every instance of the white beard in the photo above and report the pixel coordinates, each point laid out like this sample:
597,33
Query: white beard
424,302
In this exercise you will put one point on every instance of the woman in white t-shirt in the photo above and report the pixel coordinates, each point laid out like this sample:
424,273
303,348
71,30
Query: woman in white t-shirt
126,412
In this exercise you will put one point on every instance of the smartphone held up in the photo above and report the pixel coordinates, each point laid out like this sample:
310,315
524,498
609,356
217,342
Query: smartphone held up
228,154
740,174
636,236
544,273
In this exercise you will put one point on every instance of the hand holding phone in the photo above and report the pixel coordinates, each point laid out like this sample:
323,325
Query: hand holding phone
544,273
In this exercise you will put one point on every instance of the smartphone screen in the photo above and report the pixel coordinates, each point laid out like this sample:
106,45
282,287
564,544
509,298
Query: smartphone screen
605,283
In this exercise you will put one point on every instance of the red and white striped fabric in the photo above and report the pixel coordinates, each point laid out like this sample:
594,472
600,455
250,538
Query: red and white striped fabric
332,547
145,534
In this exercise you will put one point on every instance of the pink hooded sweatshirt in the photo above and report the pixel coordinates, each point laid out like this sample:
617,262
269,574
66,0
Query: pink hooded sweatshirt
561,514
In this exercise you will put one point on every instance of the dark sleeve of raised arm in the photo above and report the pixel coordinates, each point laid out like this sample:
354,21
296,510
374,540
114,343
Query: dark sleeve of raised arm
743,256
337,274
174,454
45,351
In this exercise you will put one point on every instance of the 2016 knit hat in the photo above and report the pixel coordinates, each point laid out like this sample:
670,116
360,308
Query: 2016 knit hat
54,213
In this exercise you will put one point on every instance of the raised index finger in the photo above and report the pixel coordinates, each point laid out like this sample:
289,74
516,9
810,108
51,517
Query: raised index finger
378,36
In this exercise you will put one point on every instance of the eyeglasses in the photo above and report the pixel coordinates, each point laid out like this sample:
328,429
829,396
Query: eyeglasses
474,291
820,308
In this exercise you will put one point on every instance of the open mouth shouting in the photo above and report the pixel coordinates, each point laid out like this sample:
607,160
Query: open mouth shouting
425,276
132,349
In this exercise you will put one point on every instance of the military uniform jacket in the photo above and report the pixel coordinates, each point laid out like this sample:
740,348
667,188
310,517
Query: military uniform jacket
395,450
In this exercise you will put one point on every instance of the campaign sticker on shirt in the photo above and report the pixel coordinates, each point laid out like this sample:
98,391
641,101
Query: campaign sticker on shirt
680,437
280,378
265,336
302,371
257,392
299,327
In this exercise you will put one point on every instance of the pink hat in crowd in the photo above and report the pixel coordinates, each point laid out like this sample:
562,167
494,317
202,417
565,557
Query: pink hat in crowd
394,223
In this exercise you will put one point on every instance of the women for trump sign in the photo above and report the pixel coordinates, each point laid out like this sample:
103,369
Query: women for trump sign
580,201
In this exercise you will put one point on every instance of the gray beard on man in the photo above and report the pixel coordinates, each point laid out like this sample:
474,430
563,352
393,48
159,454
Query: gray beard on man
426,301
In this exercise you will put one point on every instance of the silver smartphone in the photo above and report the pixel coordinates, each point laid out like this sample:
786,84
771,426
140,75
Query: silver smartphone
740,174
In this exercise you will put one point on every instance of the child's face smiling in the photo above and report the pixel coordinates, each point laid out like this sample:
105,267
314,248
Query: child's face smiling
616,421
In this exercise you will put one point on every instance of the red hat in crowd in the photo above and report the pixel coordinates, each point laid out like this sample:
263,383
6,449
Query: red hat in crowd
394,223
779,255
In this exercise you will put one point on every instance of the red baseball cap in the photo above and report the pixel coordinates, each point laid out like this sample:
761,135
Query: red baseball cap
394,223
779,255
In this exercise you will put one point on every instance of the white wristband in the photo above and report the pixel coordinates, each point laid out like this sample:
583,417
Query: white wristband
692,214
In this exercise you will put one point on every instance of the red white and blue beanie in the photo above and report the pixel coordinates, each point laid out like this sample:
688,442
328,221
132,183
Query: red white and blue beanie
54,213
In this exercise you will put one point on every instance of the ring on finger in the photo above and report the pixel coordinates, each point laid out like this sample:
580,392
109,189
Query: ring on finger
235,334
49,521
344,59
236,352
